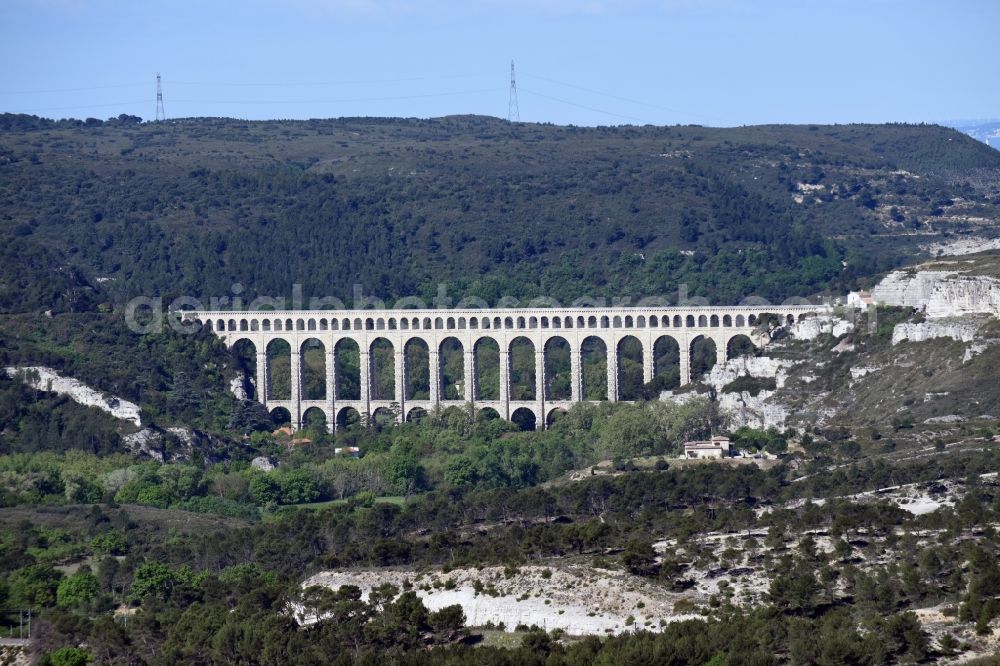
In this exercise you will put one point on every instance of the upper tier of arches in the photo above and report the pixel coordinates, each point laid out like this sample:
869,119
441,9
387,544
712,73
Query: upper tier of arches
305,322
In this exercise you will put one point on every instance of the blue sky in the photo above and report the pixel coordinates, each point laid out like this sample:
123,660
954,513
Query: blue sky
712,62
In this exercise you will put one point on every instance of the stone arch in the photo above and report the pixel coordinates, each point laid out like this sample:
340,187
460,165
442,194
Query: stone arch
702,321
487,414
605,322
524,418
451,357
382,359
300,324
254,325
348,371
580,322
281,417
508,322
558,369
486,352
288,325
380,324
370,324
556,322
713,321
416,415
244,353
334,325
220,325
567,322
640,321
357,324
677,321
727,320
654,321
740,345
438,323
267,325
311,325
630,384
314,418
789,319
324,325
417,359
594,367
313,369
451,324
278,325
703,356
520,322
279,370
740,321
617,321
426,325
689,321
532,322
592,322
522,369
752,320
232,325
244,325
666,363
383,417
348,418
629,321
554,415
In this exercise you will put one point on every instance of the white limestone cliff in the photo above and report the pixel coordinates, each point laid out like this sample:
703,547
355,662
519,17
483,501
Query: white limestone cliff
812,327
961,330
749,366
47,379
940,293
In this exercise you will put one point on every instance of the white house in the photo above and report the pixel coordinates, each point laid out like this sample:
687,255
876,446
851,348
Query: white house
860,299
717,447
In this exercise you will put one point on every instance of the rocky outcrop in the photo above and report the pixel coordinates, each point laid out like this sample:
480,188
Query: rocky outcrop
965,295
747,366
961,330
173,444
47,379
940,293
908,288
812,327
238,389
263,463
147,442
754,411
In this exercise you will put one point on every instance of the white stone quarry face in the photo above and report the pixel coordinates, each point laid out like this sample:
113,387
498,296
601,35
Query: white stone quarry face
940,293
50,380
963,331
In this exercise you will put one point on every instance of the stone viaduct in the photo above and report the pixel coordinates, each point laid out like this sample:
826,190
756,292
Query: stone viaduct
464,332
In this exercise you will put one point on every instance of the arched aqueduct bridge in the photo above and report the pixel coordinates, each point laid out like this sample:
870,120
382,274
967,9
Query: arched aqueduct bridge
405,362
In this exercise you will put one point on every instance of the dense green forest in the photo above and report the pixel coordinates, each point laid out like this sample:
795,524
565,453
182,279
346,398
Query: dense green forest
103,211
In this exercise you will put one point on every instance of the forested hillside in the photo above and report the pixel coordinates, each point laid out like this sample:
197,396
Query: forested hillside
101,211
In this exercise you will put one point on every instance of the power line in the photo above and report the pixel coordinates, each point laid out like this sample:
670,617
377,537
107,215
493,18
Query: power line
344,100
513,111
630,100
589,108
83,106
294,84
60,90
